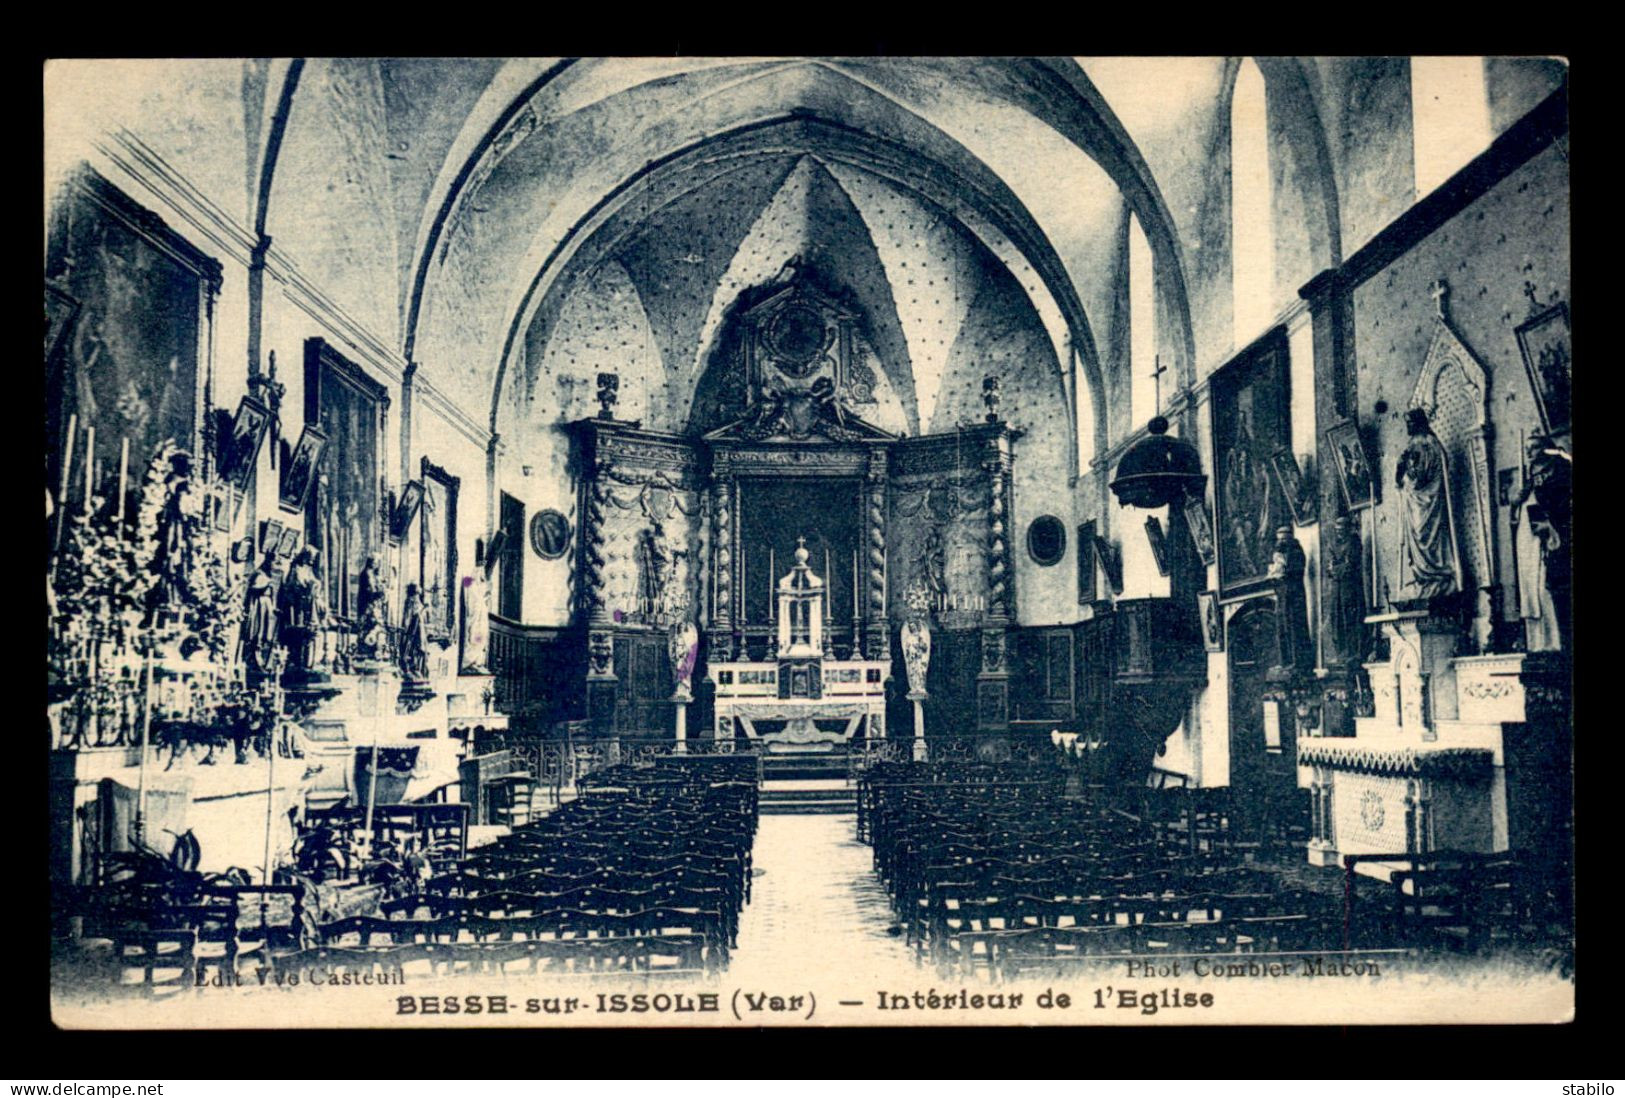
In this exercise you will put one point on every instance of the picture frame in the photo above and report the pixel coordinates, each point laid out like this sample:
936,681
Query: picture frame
549,534
1159,543
1544,341
1087,564
1295,486
1046,540
1356,477
1111,563
1211,616
299,472
61,308
406,509
1251,420
288,544
240,449
1200,523
270,535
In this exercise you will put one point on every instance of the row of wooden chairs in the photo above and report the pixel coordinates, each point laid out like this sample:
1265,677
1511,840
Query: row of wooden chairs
647,870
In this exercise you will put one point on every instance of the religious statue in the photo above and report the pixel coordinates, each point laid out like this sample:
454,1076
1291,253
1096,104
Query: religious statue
1291,603
1345,599
177,520
915,637
372,605
259,618
932,567
414,641
661,556
477,613
1540,541
1428,563
682,646
302,611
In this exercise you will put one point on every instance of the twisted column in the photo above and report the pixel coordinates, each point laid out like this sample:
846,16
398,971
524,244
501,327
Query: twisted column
998,542
595,581
878,637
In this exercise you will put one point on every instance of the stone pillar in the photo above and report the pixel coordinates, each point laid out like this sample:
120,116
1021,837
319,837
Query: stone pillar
680,706
917,699
877,628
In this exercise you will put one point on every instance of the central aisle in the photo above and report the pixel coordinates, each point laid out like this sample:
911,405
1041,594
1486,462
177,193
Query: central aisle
817,908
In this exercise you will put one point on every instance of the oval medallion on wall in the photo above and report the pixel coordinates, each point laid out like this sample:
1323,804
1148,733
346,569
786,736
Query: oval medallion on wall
549,534
1046,540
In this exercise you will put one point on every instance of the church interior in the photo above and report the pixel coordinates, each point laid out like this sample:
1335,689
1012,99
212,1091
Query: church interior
638,515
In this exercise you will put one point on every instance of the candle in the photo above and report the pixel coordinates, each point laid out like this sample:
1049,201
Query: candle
90,455
855,609
123,480
67,460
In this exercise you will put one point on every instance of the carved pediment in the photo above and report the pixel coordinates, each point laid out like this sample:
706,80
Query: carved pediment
799,417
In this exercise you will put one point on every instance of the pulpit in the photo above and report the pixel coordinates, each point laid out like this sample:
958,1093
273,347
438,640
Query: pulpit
803,685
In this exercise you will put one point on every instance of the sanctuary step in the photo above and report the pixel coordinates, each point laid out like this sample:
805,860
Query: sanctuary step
804,766
787,797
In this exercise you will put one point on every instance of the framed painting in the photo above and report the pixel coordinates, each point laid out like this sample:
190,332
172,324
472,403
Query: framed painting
437,549
1046,540
1208,611
1159,543
549,534
1200,524
1299,493
1544,341
241,448
406,509
60,309
299,472
270,535
1354,472
1088,588
1251,408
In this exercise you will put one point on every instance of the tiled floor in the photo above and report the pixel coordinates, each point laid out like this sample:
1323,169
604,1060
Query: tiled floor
816,904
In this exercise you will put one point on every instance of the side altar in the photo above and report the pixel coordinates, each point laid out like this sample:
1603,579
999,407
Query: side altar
804,689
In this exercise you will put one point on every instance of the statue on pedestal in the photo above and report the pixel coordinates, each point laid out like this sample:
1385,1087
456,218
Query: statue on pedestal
372,603
1429,565
1540,532
477,614
302,612
915,637
176,529
414,642
1291,603
933,568
259,618
682,647
1345,598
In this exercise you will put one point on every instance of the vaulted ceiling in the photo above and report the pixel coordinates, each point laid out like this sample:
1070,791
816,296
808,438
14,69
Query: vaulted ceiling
453,207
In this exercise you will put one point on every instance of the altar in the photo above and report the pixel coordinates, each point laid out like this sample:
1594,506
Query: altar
807,700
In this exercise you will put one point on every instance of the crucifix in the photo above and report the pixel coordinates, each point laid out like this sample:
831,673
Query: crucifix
1441,296
1157,370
